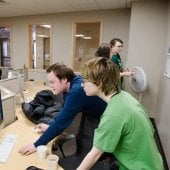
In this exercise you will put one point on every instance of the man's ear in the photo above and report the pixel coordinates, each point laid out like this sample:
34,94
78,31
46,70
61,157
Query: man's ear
99,86
64,80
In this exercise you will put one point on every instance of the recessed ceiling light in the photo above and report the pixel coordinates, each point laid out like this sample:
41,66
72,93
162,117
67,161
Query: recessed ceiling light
46,26
42,35
87,38
79,35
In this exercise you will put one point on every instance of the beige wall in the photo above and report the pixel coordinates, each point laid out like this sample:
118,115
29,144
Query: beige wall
163,108
115,24
146,46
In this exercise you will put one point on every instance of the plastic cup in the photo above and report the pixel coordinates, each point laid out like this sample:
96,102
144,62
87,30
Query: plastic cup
31,82
52,162
42,152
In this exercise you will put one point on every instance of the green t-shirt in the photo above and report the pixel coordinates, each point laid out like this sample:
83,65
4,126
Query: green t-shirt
126,131
117,60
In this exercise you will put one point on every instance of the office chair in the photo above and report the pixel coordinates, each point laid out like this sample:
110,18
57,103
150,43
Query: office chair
84,142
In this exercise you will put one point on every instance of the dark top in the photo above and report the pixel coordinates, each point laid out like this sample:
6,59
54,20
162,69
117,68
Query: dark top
117,60
75,101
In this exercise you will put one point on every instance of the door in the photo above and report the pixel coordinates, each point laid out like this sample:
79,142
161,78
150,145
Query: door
86,36
39,35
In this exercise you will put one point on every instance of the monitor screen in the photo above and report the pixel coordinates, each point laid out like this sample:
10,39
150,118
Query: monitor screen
4,74
1,110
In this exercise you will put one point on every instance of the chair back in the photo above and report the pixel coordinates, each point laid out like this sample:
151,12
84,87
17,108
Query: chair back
84,137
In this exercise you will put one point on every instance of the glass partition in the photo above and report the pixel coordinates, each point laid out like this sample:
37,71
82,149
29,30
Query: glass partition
5,54
86,42
39,46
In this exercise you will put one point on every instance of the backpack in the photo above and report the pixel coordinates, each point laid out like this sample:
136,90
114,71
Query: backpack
43,108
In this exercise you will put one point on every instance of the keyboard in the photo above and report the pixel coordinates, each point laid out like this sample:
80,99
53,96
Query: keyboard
6,146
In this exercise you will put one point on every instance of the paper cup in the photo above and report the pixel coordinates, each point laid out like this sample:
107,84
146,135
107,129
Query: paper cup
31,82
52,162
42,152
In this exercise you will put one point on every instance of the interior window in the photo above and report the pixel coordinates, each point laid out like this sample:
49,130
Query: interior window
39,46
5,56
86,41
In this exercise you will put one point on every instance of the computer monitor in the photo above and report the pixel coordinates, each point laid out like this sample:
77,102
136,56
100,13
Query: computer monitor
4,74
1,109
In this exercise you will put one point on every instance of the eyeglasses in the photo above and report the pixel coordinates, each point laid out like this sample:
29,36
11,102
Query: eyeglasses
120,46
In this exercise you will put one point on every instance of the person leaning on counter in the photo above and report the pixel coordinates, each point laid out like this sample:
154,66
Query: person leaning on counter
63,80
124,129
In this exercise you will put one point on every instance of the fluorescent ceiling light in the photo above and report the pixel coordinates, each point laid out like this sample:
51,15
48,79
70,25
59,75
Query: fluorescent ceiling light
79,35
83,36
46,26
87,38
42,35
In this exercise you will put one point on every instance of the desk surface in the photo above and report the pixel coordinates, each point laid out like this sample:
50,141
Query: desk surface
23,127
15,159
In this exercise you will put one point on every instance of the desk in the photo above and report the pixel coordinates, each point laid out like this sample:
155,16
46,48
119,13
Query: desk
16,161
23,127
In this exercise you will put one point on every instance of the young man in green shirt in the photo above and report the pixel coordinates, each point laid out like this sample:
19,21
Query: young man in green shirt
124,129
116,46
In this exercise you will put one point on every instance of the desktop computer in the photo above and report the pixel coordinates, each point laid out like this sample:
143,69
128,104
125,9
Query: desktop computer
8,141
4,74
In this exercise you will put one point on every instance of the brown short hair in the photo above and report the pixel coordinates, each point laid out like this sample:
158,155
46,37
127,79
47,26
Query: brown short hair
114,40
103,50
61,71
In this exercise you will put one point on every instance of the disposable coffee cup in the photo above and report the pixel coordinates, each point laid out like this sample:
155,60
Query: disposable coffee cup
42,152
31,82
52,162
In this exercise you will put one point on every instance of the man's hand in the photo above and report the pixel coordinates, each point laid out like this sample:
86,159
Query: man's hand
42,127
27,149
127,72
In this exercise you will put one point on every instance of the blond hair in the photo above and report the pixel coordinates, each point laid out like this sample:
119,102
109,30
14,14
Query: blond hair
102,72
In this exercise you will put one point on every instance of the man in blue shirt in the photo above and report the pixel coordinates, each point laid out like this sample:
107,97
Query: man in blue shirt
63,80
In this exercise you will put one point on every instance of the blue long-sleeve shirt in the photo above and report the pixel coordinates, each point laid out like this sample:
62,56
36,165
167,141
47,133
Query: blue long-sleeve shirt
75,101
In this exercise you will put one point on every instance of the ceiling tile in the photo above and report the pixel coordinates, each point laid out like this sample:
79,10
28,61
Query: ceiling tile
33,7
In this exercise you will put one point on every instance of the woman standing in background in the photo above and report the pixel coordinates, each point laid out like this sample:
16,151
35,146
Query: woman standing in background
112,51
103,50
